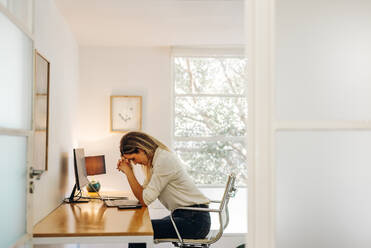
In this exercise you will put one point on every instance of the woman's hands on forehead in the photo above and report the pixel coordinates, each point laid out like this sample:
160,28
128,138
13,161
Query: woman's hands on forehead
124,165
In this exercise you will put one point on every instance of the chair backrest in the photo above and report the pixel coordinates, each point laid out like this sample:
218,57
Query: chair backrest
230,191
214,235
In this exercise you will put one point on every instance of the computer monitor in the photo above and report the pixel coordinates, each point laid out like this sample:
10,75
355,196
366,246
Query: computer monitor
81,178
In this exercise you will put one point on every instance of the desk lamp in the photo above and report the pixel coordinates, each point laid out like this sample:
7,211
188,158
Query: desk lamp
95,165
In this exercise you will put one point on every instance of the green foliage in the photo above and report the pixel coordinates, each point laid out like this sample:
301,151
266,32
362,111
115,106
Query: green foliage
218,118
212,161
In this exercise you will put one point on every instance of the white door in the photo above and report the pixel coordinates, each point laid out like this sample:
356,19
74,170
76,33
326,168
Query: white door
310,176
16,88
323,135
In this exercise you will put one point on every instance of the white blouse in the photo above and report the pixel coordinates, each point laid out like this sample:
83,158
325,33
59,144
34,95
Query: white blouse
171,184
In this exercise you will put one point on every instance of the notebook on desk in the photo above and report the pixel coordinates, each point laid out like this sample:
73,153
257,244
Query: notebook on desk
116,203
105,197
119,201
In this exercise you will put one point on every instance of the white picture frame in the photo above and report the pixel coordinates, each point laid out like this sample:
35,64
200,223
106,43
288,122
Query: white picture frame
126,113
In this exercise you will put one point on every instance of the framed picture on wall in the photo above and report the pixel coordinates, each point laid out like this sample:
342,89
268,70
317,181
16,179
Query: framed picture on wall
126,113
41,112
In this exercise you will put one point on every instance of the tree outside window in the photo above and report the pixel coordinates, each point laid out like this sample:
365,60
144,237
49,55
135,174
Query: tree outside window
210,117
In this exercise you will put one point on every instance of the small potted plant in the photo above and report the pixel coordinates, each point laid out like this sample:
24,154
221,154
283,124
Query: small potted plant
93,186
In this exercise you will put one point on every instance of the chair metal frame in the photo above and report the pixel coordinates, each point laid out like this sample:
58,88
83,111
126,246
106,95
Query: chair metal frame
213,236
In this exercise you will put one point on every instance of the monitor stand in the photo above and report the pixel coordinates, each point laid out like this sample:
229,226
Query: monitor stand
72,196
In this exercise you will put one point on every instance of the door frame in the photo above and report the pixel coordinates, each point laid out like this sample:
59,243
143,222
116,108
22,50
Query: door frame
260,33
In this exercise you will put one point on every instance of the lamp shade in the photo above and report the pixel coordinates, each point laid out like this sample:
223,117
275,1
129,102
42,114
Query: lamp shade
95,165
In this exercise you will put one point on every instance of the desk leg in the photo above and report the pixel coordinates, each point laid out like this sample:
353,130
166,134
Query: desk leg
150,244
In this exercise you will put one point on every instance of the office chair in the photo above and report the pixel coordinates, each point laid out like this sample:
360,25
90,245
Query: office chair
214,235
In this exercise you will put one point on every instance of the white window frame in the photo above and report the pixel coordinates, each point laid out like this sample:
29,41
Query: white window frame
203,52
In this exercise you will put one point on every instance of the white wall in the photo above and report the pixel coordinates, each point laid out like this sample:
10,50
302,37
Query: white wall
143,71
54,40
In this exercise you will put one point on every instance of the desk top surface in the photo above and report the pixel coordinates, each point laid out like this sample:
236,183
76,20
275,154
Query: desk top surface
94,219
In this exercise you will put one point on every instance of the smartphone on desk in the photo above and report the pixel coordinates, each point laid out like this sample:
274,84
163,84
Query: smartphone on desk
129,206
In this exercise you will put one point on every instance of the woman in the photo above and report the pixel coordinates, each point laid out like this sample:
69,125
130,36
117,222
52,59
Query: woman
166,180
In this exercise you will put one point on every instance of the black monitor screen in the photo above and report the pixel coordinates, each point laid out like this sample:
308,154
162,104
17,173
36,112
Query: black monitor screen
80,169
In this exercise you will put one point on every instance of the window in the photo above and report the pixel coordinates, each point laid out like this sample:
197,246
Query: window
210,113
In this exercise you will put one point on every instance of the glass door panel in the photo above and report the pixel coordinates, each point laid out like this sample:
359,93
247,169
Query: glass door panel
323,59
13,163
323,184
15,76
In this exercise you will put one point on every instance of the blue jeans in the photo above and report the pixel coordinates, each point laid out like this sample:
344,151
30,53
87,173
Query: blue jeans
190,224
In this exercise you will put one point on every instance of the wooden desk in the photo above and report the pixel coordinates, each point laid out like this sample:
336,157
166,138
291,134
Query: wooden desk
93,222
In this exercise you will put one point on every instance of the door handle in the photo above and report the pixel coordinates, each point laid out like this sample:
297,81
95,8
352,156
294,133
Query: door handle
36,173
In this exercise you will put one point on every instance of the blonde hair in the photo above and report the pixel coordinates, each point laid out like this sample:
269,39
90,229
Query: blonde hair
133,141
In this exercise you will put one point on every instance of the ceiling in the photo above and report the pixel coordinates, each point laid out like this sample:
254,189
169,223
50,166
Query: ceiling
154,22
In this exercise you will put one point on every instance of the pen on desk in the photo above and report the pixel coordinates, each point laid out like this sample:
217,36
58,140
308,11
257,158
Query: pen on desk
129,206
